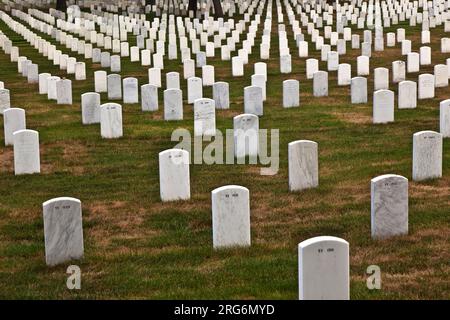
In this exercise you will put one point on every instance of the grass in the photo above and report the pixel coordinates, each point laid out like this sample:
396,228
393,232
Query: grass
138,247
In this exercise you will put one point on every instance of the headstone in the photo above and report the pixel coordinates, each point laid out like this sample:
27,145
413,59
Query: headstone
389,206
63,230
105,59
221,95
100,81
64,91
130,90
33,73
291,93
154,77
111,120
51,87
427,155
246,135
173,104
26,152
312,66
195,89
253,100
359,90
303,165
362,64
80,71
43,79
406,47
425,56
188,68
90,107
172,80
440,75
324,269
344,74
426,86
407,94
13,120
208,75
237,67
444,118
381,78
174,181
332,61
204,117
383,106
149,97
413,62
116,64
320,84
230,216
5,101
285,63
398,71
114,83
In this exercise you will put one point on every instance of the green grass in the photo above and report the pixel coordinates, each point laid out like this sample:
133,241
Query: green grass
138,247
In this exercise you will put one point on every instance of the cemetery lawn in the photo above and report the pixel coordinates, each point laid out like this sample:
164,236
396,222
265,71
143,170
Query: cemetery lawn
137,247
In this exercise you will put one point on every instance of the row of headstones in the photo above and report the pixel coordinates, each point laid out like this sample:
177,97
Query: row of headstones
389,200
44,47
253,97
427,82
392,36
342,28
124,49
362,14
116,66
69,63
331,64
64,241
332,57
360,59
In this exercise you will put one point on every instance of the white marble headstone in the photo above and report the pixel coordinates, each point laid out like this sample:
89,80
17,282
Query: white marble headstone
63,230
111,120
383,106
389,206
231,216
427,155
173,104
13,120
174,178
90,107
324,269
26,152
246,135
303,165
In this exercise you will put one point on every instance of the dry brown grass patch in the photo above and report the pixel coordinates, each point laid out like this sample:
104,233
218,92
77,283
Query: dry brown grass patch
116,220
353,117
7,160
211,266
424,191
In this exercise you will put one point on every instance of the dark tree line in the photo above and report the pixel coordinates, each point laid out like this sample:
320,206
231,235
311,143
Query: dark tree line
218,11
61,5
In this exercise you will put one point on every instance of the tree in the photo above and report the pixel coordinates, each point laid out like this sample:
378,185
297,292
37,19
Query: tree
149,2
192,6
218,12
61,5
